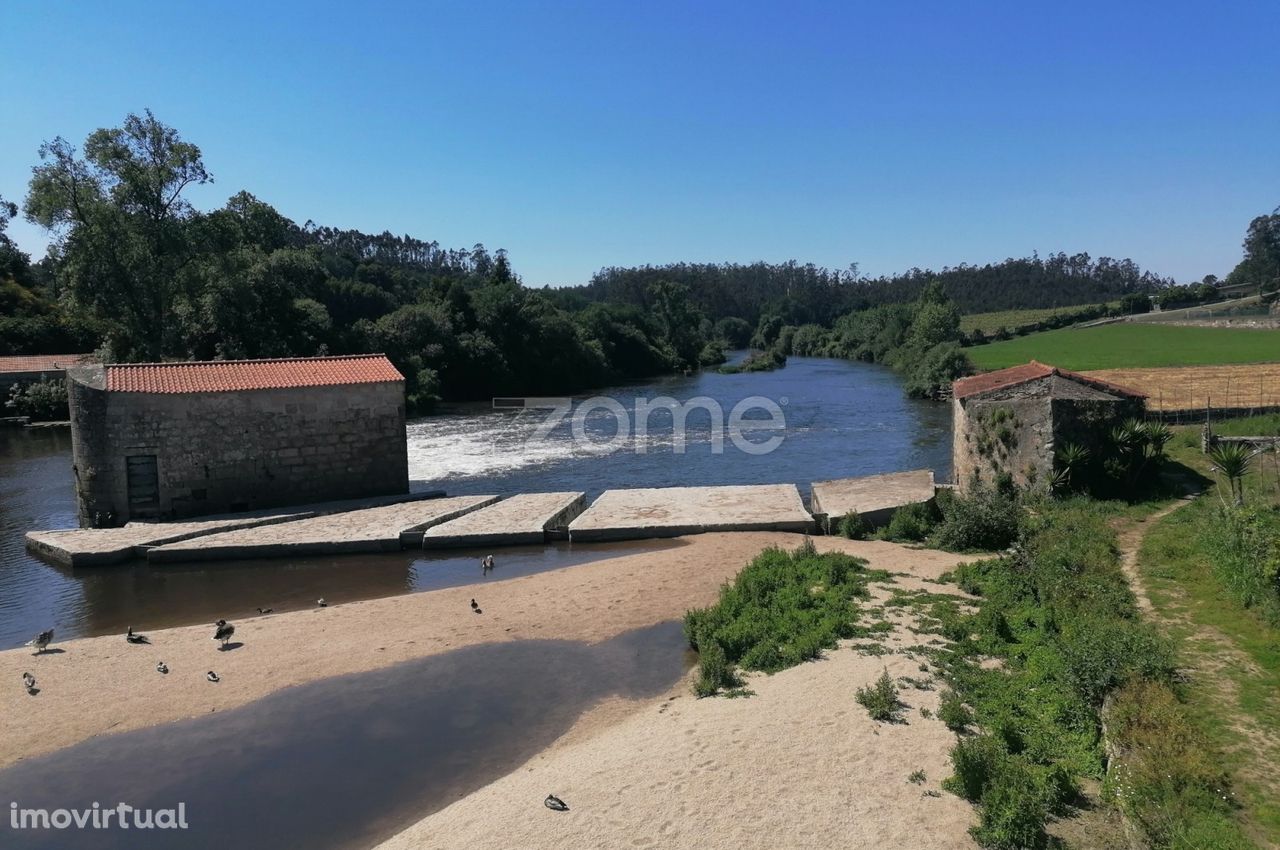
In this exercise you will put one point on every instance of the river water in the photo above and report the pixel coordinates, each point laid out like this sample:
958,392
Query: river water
841,419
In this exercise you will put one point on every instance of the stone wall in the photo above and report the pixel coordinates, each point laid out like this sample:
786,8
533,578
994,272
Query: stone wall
995,435
1016,430
235,451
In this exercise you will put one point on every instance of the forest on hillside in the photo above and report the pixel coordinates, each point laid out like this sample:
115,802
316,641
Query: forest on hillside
136,273
803,294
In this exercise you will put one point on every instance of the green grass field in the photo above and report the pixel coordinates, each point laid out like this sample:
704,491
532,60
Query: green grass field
1131,345
989,323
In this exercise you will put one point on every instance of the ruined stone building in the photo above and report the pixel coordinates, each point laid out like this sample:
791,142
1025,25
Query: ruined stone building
165,440
1012,420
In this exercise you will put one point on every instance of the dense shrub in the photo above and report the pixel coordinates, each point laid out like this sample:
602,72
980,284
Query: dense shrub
1012,811
42,401
953,712
910,523
851,526
982,520
714,670
976,762
880,699
782,609
1102,654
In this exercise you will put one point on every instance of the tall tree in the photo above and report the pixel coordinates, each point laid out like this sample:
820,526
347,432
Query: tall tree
1261,263
123,228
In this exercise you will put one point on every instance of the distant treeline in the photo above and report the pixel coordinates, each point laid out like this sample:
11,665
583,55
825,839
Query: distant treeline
808,294
140,275
137,274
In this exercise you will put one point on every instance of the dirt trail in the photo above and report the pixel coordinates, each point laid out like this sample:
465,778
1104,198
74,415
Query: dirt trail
1211,660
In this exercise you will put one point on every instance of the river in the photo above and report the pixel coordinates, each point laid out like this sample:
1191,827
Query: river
841,419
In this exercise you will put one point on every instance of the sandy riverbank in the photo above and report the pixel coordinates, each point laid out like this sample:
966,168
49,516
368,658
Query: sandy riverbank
823,752
799,764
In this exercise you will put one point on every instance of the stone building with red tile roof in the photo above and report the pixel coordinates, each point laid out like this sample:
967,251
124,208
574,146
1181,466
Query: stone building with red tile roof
1009,422
170,440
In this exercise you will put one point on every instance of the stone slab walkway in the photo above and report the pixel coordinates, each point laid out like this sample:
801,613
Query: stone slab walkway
381,529
522,519
673,511
874,497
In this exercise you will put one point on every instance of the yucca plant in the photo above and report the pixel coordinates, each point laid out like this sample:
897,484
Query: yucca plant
1232,460
1158,436
1071,458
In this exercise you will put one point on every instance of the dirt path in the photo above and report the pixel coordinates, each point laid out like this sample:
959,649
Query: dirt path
1213,663
1129,539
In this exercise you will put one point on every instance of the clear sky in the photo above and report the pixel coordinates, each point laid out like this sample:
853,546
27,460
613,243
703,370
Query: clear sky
584,134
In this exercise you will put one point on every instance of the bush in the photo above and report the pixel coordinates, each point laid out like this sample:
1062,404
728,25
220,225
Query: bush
1102,654
910,523
953,712
976,761
851,526
881,699
714,671
42,401
782,609
983,520
1012,812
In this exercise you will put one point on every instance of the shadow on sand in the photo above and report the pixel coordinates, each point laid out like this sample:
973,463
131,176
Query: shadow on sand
343,762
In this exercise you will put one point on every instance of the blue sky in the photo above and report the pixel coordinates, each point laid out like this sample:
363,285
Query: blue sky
585,134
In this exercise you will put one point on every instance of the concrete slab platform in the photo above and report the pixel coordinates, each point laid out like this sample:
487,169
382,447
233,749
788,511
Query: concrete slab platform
91,547
522,519
382,529
874,497
672,511
94,547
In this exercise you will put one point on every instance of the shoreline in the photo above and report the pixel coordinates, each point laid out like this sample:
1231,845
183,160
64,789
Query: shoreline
97,687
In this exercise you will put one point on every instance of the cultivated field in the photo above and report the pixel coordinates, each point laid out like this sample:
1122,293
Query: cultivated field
1131,346
1193,387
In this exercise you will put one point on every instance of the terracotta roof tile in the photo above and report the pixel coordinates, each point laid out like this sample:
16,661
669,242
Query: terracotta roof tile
1015,375
41,362
214,376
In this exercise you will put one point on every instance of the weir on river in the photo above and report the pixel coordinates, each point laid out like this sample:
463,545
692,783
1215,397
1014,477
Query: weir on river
842,420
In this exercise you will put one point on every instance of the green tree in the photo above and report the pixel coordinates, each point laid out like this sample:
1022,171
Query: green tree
1261,263
123,228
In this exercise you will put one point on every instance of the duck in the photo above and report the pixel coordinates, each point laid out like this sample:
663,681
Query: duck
161,667
223,632
41,641
322,603
555,803
265,610
212,676
488,563
132,638
474,606
29,682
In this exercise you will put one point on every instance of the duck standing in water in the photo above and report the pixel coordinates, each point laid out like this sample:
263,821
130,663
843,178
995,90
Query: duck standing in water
132,638
487,564
29,682
555,803
41,641
223,632
322,603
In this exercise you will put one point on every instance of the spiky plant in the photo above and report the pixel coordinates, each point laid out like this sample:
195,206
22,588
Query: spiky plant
1232,460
